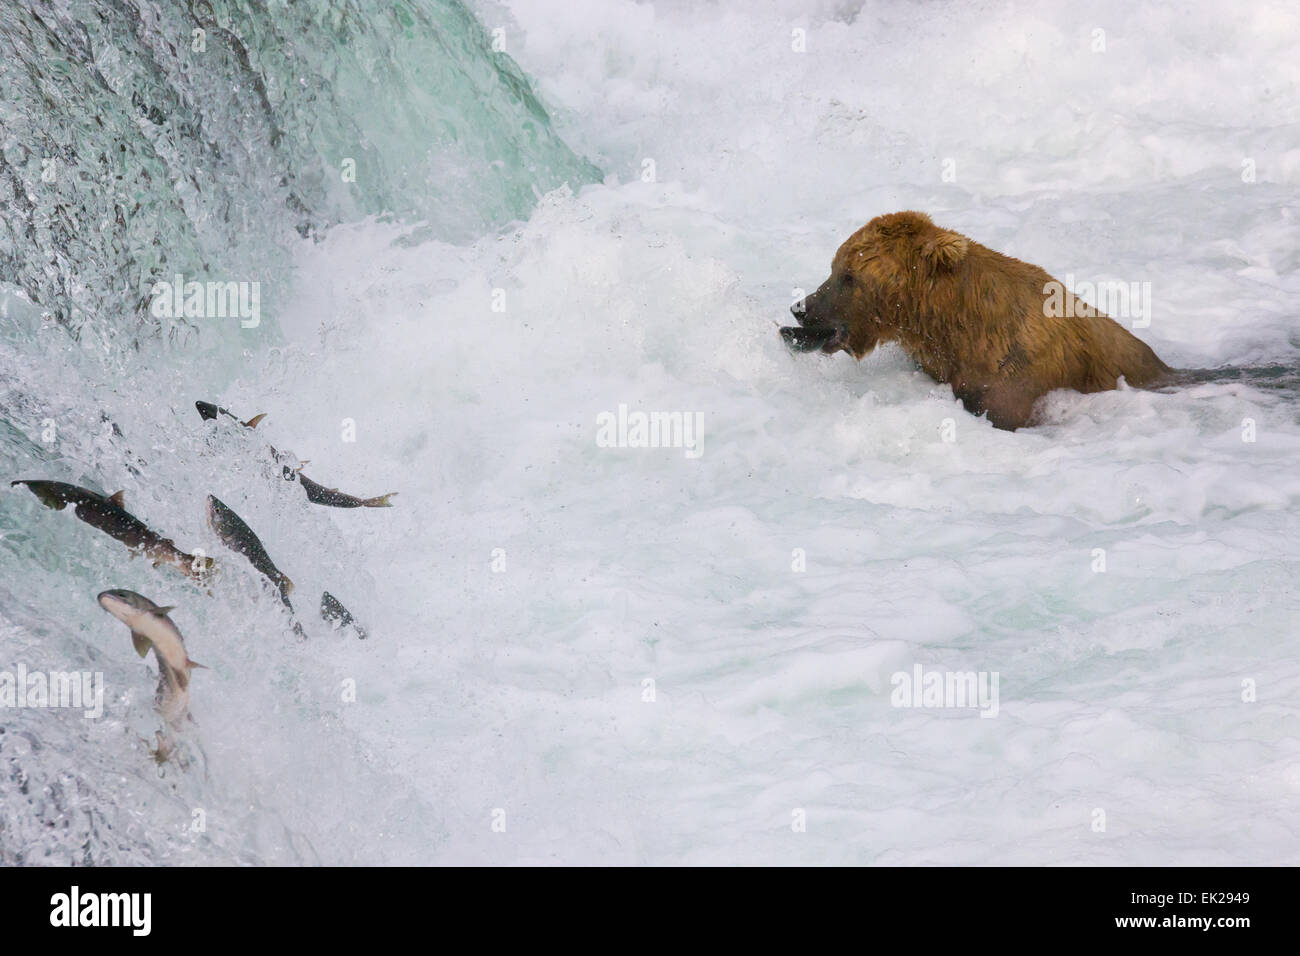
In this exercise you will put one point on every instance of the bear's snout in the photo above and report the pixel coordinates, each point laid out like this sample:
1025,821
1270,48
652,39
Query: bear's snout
802,339
810,310
815,330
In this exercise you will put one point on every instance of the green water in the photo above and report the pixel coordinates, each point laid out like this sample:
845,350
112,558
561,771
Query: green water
197,138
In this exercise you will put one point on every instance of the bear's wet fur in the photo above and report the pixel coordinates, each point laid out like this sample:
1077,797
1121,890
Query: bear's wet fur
1003,333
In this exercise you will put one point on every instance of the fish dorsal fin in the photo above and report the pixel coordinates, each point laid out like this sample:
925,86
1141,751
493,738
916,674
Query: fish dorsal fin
286,584
192,664
141,643
162,611
252,422
118,498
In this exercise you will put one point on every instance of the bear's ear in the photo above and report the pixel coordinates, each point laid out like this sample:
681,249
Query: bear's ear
945,250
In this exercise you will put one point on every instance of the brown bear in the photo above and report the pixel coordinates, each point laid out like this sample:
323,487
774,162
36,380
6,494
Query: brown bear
1001,332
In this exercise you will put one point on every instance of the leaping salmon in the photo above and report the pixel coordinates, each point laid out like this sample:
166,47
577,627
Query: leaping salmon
238,536
152,628
108,514
210,411
333,611
320,495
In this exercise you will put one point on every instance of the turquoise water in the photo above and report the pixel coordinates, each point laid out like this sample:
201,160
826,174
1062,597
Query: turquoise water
196,142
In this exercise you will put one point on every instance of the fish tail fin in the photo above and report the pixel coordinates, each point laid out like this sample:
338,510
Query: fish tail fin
252,422
379,502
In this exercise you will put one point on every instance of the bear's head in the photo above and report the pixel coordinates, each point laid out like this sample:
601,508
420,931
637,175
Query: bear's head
868,293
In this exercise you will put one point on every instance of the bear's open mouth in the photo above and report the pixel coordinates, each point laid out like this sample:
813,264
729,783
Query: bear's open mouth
807,340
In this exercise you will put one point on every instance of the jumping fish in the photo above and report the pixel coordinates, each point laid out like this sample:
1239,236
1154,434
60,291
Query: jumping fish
108,515
152,628
238,536
333,611
316,493
320,495
210,411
